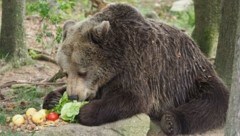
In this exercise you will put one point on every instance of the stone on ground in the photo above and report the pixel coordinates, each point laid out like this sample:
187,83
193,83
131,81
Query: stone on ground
137,125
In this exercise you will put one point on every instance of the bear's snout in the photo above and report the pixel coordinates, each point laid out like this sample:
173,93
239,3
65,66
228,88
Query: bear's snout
73,97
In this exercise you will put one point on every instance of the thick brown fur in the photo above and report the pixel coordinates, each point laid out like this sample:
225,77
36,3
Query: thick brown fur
144,66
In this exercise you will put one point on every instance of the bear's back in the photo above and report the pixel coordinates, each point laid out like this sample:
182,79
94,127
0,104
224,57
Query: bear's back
174,64
151,52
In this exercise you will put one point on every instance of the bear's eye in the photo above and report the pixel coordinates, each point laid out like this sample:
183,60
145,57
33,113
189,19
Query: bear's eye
94,39
82,74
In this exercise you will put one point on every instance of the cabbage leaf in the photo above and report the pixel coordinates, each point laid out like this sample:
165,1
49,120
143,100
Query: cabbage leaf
70,110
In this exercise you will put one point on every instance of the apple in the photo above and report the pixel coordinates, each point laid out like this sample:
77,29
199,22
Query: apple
30,112
43,112
38,118
52,116
18,119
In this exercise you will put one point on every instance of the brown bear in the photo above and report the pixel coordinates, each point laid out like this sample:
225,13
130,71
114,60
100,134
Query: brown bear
124,64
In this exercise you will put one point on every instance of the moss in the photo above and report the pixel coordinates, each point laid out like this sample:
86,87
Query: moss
207,39
206,25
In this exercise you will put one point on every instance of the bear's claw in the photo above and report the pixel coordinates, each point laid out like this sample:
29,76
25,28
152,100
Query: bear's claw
169,124
51,100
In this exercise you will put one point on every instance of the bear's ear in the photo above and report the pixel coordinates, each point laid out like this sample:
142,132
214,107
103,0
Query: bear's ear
66,26
99,32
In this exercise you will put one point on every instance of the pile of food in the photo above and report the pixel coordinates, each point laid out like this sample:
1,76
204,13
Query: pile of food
33,120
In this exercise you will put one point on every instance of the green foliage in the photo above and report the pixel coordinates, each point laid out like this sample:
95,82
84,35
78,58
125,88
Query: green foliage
58,34
2,119
126,1
184,19
26,92
24,96
33,54
62,101
42,7
52,13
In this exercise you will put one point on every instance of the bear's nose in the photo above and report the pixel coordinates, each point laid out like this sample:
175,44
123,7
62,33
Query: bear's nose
73,97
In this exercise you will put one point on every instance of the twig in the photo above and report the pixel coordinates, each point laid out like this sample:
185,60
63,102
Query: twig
36,56
8,84
59,74
38,51
44,58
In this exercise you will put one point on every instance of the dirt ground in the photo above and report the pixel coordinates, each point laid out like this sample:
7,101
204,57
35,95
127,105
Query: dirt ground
38,72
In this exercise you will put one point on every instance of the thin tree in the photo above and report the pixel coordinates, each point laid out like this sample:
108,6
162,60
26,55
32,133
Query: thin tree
229,34
207,17
233,125
231,42
12,40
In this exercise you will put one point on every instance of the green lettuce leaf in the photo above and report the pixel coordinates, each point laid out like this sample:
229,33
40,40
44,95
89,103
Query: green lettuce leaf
62,102
70,110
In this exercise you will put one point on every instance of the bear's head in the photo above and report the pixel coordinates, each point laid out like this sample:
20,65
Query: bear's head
93,50
81,57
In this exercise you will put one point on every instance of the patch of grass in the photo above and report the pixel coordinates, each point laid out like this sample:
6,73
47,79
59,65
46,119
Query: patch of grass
20,98
26,92
2,119
184,19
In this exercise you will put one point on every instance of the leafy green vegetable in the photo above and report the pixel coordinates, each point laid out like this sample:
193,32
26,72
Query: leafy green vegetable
70,110
62,102
67,108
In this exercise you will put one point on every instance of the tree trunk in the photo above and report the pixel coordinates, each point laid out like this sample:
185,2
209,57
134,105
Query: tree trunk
12,41
233,125
229,34
207,18
231,42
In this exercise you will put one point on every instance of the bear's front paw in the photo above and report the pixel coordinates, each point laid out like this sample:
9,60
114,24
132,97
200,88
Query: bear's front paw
51,100
88,115
169,124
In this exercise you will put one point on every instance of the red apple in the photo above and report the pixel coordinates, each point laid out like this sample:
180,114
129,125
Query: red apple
52,116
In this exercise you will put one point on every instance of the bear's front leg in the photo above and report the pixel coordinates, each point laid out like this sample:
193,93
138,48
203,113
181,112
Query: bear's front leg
52,98
111,108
